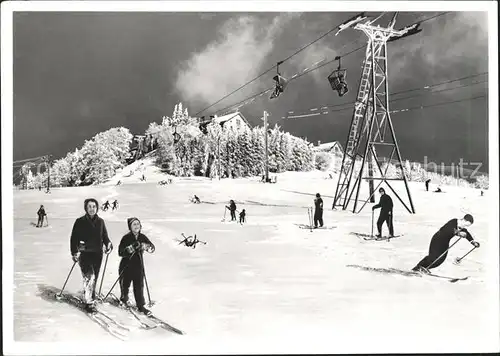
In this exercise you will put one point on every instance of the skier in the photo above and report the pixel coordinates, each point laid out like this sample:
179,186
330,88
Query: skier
386,215
41,214
482,193
440,242
115,205
119,182
438,190
88,237
196,200
427,182
131,266
318,211
232,209
242,216
105,206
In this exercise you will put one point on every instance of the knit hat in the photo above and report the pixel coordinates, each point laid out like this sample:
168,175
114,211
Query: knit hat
87,201
130,221
469,218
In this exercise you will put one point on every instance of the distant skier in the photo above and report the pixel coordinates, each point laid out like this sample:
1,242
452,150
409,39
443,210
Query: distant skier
88,237
119,182
386,213
143,178
438,190
427,182
115,205
318,211
242,216
196,200
232,209
41,214
131,266
105,206
482,193
440,242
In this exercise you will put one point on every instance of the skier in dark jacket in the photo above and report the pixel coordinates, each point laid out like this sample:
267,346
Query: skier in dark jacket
88,237
131,267
41,214
385,204
440,242
427,182
115,205
242,216
318,211
232,209
105,206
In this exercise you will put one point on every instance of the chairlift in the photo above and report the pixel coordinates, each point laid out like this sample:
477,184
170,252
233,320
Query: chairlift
280,82
337,79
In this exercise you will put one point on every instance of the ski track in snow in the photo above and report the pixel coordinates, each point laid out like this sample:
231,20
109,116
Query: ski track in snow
268,276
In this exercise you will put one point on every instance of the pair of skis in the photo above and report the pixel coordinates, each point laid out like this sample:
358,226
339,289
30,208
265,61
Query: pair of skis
368,237
408,273
101,318
157,322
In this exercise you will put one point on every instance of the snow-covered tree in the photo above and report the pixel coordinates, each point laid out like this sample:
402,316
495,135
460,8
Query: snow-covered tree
482,182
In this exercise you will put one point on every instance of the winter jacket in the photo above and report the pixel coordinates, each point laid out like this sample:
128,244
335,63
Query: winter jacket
130,240
232,207
91,231
41,212
385,204
318,203
448,231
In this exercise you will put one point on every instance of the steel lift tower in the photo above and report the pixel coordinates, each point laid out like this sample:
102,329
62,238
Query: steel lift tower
371,126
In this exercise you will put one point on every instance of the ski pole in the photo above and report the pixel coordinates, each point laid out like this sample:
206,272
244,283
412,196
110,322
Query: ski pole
459,259
145,279
47,220
120,276
373,213
437,259
103,273
67,278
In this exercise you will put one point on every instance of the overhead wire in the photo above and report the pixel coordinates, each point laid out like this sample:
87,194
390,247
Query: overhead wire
250,98
326,107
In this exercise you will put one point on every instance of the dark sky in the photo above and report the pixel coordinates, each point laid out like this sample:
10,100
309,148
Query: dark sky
76,74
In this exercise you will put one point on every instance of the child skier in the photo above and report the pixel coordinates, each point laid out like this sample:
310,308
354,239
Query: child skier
440,242
131,266
232,209
41,214
242,216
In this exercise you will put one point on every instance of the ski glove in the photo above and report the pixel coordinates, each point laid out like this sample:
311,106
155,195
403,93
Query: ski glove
475,243
130,249
76,257
109,248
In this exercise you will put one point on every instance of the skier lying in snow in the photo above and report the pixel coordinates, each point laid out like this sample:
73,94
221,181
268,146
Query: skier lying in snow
440,242
41,214
131,266
88,237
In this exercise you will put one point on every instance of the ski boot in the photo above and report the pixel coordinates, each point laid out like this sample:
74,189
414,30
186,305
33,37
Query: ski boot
144,311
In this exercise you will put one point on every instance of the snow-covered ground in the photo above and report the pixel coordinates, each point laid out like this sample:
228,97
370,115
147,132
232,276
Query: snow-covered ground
267,281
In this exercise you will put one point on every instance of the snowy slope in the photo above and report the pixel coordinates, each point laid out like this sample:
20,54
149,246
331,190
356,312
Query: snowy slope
267,281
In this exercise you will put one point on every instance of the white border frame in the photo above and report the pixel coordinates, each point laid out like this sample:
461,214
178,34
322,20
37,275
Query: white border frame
188,345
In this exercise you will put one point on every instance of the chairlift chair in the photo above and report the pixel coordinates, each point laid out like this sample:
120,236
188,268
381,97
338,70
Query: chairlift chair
337,79
280,83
